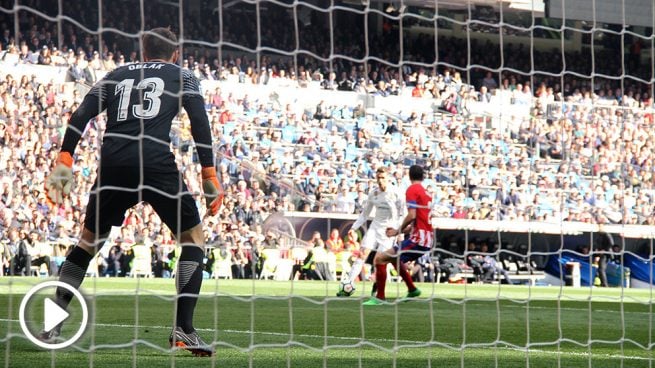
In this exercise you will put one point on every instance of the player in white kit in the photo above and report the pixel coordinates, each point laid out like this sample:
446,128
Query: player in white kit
389,208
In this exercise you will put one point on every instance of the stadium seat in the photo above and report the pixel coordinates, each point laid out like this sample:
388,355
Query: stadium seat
222,267
289,134
349,128
283,270
34,271
351,152
228,128
142,262
332,264
342,263
271,259
298,255
510,266
92,270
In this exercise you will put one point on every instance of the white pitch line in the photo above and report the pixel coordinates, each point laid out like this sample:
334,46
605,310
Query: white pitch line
573,309
452,346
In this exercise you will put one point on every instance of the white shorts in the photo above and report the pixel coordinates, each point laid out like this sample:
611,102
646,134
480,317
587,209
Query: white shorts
376,239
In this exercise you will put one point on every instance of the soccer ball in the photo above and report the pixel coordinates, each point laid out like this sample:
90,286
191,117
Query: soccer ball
346,287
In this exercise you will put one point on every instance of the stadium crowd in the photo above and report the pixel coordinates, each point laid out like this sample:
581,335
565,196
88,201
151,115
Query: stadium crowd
578,154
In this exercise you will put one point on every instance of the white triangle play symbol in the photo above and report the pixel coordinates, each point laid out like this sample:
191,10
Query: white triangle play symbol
52,314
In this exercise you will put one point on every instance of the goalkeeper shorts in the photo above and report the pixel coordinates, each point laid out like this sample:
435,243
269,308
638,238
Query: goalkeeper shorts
118,189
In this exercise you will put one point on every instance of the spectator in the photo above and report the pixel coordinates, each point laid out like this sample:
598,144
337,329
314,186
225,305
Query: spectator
44,56
344,202
39,251
604,245
112,261
475,261
335,243
484,95
19,257
491,267
345,83
108,62
320,258
422,269
239,260
449,267
489,82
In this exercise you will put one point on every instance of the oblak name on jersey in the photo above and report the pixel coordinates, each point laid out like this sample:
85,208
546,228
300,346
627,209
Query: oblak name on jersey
145,66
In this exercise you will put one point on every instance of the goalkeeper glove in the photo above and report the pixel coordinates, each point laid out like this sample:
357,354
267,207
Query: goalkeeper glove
212,189
58,184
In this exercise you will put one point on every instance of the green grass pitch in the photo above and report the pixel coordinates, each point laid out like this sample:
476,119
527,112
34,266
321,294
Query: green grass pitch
257,324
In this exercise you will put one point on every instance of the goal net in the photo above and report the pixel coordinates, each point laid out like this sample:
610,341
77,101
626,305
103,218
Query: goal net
532,120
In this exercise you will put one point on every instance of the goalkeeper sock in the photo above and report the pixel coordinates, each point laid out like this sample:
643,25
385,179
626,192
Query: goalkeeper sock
381,279
72,272
188,281
402,271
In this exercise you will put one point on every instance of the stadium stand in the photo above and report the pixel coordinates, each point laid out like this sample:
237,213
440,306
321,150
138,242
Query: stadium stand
556,155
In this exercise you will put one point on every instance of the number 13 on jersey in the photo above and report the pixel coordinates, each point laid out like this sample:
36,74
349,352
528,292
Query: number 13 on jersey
153,89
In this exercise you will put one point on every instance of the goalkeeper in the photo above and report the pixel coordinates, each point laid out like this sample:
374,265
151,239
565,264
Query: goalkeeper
136,164
389,207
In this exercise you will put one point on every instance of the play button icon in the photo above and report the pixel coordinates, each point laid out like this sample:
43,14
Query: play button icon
53,315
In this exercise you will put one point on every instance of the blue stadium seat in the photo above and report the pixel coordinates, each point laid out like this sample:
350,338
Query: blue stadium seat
351,152
380,127
289,133
228,127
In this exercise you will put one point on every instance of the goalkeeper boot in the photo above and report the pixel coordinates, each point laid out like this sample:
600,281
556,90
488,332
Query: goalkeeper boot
51,336
191,342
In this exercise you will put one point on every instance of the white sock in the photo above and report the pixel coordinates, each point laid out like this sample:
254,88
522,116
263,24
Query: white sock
356,269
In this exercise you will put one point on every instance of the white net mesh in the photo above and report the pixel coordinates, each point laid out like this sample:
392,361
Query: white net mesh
535,133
